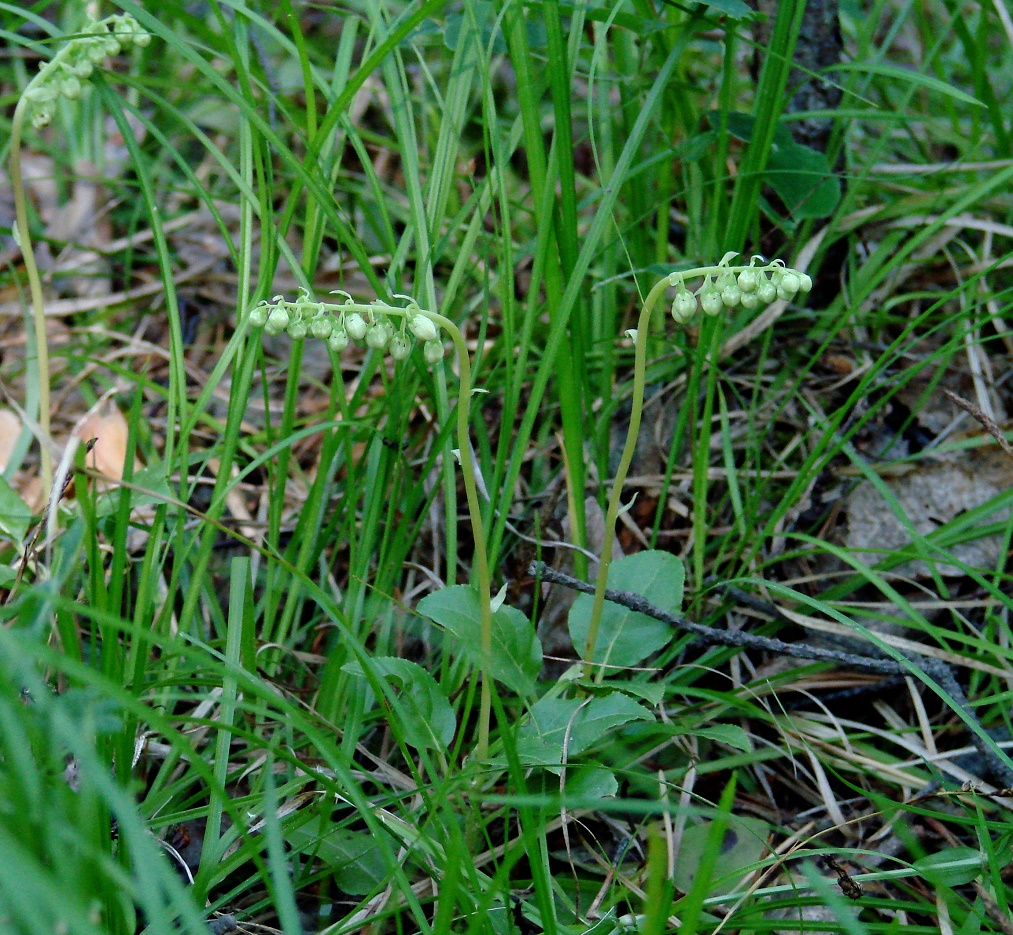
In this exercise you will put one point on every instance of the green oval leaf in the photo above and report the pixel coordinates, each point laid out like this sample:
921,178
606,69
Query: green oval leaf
516,650
575,724
627,638
426,719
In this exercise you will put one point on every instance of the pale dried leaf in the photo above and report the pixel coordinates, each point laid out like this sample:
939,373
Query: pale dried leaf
10,429
930,496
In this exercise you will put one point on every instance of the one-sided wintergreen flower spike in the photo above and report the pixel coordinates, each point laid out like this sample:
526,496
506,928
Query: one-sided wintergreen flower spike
724,286
386,327
378,325
59,78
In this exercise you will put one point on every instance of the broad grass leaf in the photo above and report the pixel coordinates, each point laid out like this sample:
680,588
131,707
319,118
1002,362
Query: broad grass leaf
952,866
627,638
426,718
731,735
516,650
651,692
576,723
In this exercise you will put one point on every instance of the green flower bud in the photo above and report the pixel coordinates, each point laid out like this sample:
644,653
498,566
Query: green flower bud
377,336
112,45
710,301
805,283
70,87
258,315
277,321
400,346
42,93
730,296
766,292
338,339
788,286
433,352
749,301
423,328
747,281
356,326
321,326
42,117
684,306
96,52
142,38
82,68
297,330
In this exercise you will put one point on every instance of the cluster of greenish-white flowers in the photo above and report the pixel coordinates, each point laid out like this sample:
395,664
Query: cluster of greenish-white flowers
724,286
62,76
339,325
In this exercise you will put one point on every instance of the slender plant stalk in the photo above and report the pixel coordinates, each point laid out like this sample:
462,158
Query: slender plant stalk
300,315
481,559
615,497
58,78
35,290
725,286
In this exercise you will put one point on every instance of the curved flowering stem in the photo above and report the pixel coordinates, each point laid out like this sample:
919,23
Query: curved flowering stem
340,324
60,77
724,286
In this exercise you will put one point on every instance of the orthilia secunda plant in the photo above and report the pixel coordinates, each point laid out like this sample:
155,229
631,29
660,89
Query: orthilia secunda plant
753,286
384,327
63,77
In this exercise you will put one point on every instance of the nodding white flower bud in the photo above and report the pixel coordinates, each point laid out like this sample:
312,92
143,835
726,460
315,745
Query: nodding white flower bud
766,292
112,46
297,330
747,281
82,69
749,301
805,283
258,315
96,52
683,306
710,301
41,93
356,326
423,328
400,346
70,87
141,38
277,321
731,296
788,286
321,326
433,352
338,339
377,336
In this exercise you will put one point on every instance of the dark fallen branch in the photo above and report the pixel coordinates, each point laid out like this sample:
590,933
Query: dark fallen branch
879,664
